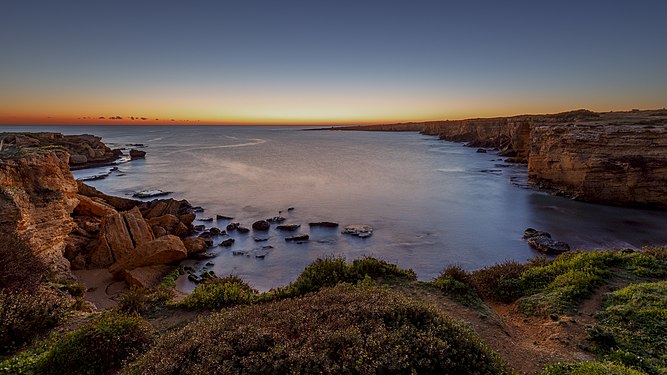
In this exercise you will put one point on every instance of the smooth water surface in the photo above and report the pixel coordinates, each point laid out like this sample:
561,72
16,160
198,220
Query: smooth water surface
432,203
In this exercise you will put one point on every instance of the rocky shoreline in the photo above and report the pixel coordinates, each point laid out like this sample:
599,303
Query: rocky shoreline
617,158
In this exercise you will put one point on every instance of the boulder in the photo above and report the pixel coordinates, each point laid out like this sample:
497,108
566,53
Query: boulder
195,245
90,207
261,225
359,230
76,159
168,221
139,229
158,231
325,224
232,226
148,277
298,238
164,250
547,245
137,154
227,243
288,227
531,232
242,229
119,234
188,218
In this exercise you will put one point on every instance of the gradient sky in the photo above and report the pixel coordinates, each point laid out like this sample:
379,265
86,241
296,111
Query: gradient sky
326,61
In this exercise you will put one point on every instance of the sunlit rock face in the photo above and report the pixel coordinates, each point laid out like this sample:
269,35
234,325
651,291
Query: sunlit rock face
37,197
624,164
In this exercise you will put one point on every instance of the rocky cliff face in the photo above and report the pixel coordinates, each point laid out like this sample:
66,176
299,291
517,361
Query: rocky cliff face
37,196
624,164
85,150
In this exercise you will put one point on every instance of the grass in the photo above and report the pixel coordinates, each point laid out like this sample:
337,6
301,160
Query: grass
26,315
589,368
216,293
543,287
632,327
345,329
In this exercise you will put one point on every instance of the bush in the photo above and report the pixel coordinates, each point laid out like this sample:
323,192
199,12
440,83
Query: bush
632,327
376,268
501,282
99,347
220,292
589,368
23,316
133,301
344,329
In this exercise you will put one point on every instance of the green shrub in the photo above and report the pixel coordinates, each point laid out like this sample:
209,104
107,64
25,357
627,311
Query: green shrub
589,368
377,268
344,329
632,327
455,282
501,282
133,301
220,292
99,347
24,315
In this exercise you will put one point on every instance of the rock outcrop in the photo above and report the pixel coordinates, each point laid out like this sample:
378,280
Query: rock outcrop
37,197
85,150
621,164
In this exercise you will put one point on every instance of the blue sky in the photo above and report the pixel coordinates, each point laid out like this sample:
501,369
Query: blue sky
343,61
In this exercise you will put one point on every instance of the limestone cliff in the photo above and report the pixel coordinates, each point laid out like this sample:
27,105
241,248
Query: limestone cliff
85,150
615,164
37,196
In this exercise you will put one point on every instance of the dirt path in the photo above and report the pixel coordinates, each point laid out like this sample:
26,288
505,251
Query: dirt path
525,343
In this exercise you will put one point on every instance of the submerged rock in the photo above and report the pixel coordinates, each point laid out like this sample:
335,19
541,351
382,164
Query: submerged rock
359,230
325,224
232,226
531,232
150,193
227,243
242,230
137,154
288,227
298,237
261,225
223,217
547,245
276,219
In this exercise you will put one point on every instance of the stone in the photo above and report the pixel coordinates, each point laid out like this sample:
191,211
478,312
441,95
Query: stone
359,230
325,224
148,277
227,243
158,231
90,207
548,245
206,219
195,245
76,159
232,226
180,230
276,219
200,227
261,225
531,232
188,218
150,193
216,231
164,250
137,154
242,230
288,227
223,217
297,238
168,222
481,151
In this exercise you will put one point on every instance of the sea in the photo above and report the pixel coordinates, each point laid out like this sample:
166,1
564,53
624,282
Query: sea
431,203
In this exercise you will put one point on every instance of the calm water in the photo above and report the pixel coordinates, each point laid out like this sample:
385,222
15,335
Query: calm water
432,203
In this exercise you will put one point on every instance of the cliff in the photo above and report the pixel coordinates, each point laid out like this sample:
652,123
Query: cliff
621,162
37,196
615,158
85,150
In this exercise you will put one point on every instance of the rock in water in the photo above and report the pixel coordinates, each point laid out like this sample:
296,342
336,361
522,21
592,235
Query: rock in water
531,232
242,230
261,225
325,224
137,154
288,227
232,226
298,237
359,230
223,217
547,245
150,193
227,243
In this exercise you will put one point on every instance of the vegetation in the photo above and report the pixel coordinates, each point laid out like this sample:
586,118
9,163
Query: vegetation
217,293
544,286
99,347
632,328
589,368
25,315
346,329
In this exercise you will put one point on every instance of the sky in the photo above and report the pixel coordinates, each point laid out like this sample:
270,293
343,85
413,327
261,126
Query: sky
325,62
